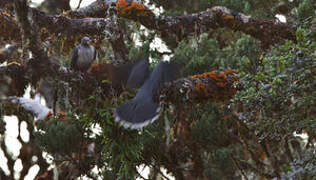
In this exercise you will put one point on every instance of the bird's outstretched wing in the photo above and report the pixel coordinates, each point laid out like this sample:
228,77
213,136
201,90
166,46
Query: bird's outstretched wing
74,57
142,110
138,75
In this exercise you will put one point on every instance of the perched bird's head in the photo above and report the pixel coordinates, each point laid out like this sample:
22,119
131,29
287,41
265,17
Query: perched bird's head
85,41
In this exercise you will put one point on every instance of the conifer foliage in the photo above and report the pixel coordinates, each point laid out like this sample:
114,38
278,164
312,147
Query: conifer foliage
243,108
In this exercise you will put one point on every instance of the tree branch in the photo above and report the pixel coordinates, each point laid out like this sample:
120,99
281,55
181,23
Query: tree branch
30,35
9,29
79,4
96,9
171,28
214,85
268,32
56,24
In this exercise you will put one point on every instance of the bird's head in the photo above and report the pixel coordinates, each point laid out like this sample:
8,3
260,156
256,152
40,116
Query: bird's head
85,41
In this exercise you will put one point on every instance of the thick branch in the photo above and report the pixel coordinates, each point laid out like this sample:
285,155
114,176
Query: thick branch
214,86
60,24
267,31
170,27
29,30
95,9
180,27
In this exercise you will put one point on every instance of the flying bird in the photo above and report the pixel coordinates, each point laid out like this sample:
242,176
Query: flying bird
82,55
142,109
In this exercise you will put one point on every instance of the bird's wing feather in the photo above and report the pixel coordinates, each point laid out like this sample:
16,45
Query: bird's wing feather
138,75
142,110
74,57
95,53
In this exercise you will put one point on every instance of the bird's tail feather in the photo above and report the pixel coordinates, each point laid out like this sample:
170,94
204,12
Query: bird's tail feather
137,113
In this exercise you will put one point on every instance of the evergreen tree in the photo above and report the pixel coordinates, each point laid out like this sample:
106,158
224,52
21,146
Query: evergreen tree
246,96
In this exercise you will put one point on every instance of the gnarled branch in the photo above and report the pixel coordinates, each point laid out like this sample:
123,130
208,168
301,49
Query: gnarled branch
170,27
267,31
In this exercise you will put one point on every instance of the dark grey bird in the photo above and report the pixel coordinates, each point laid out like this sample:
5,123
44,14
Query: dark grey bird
142,109
82,55
138,74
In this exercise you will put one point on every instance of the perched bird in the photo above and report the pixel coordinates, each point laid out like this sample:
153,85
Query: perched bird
142,110
82,56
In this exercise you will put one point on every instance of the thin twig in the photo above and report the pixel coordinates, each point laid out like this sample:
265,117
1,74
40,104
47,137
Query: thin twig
79,4
141,176
159,171
240,169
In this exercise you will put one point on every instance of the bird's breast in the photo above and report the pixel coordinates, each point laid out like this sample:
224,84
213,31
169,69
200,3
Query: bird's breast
85,56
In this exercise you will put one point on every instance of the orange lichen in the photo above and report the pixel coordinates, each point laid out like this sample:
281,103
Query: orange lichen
122,4
201,89
221,84
6,14
49,114
228,17
61,115
223,80
230,71
131,8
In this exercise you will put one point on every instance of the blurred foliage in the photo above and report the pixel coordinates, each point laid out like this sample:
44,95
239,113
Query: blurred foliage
60,137
211,132
204,54
281,93
306,9
279,99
